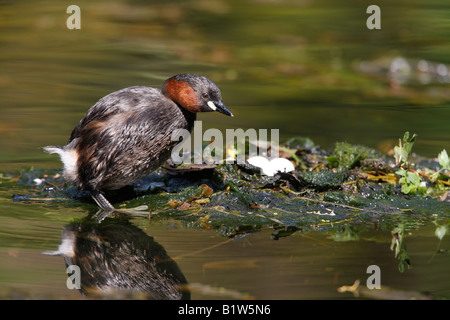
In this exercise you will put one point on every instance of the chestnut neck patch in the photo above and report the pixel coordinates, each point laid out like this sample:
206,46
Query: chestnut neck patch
182,94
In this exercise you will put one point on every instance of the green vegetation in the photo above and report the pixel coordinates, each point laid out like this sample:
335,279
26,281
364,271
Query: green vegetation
340,192
352,184
423,181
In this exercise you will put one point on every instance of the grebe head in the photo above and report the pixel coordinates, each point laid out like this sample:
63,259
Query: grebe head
195,93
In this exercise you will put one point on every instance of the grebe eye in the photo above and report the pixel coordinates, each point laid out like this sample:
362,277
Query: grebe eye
205,96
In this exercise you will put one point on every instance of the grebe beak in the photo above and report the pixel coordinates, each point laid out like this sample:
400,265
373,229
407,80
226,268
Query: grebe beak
219,107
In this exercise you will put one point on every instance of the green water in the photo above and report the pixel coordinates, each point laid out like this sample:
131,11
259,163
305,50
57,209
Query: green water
291,65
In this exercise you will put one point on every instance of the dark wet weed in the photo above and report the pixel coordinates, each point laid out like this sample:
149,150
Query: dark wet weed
350,185
342,193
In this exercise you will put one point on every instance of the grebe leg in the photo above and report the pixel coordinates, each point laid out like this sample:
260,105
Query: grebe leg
102,202
107,209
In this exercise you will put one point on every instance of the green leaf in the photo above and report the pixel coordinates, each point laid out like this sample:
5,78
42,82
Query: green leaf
409,142
440,232
333,161
413,178
407,189
422,189
401,172
444,161
403,150
399,153
410,181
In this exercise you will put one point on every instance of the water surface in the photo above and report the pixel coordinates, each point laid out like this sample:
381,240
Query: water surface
295,66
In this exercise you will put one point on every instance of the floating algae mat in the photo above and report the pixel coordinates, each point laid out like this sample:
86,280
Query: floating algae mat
348,186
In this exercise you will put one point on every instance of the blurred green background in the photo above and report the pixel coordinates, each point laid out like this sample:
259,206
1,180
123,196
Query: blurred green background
308,68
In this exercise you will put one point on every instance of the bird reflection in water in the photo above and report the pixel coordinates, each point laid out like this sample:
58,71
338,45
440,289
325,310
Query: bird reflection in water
119,260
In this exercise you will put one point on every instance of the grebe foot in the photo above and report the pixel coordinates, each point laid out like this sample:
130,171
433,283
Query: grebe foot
140,211
107,209
102,202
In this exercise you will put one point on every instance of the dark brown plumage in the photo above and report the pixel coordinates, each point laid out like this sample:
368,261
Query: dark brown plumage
127,134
